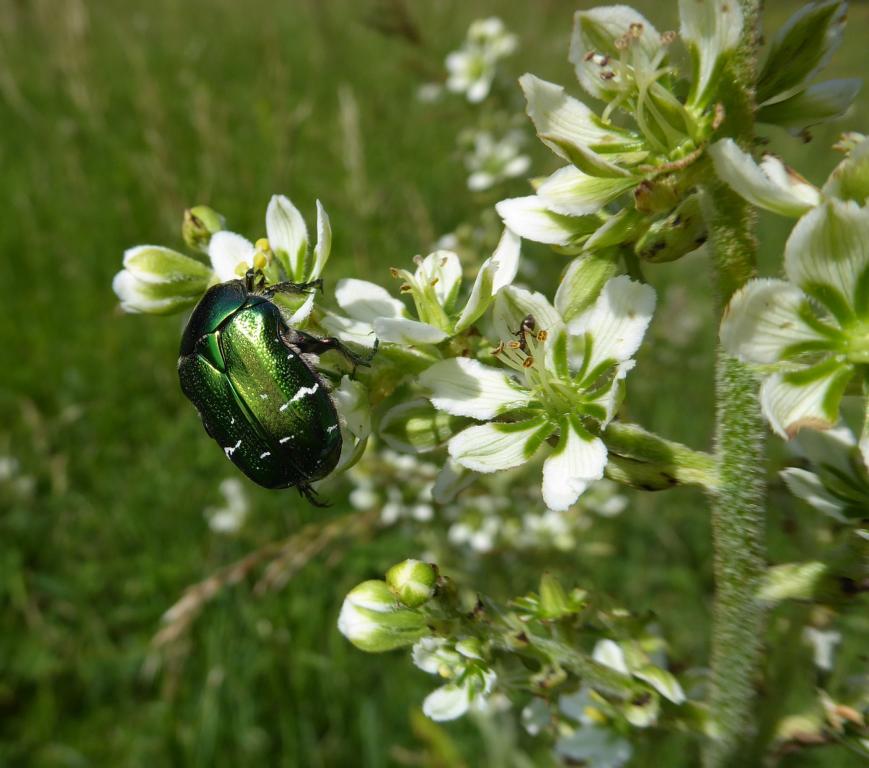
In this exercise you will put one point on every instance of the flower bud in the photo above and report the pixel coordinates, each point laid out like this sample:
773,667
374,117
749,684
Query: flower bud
675,235
416,426
412,581
374,621
199,224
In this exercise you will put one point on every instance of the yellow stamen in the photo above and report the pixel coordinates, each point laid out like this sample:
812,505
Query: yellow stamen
262,245
259,260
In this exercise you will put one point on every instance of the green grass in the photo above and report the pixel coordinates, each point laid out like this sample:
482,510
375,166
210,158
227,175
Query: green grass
115,117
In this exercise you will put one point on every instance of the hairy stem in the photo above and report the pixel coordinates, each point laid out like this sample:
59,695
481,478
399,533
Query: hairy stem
738,503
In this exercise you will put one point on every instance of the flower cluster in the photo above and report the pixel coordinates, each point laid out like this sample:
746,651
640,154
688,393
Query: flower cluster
159,280
809,333
473,67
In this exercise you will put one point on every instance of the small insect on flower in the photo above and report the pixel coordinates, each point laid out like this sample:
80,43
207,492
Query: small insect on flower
251,378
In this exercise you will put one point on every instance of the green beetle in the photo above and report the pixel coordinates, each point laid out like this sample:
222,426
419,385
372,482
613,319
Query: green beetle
259,396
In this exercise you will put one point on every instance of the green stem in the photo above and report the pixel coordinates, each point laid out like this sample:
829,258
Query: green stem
644,456
599,676
738,503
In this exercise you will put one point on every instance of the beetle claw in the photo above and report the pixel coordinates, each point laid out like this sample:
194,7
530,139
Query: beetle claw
311,496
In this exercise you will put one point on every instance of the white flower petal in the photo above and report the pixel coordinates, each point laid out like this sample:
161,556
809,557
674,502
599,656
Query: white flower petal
513,305
610,654
578,460
151,298
832,448
447,702
529,217
324,243
571,192
347,329
227,250
710,29
287,235
596,32
568,127
495,446
156,264
399,330
617,322
366,301
506,256
763,320
465,387
304,310
808,487
829,246
444,270
772,186
791,403
496,272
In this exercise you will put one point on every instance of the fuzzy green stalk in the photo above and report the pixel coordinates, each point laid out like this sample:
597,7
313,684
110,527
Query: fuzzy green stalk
738,504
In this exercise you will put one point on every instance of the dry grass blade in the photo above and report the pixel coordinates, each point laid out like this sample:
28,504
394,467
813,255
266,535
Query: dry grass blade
285,558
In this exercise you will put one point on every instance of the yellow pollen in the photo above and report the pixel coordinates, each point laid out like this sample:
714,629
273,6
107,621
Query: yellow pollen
542,335
241,268
259,260
514,345
262,245
528,362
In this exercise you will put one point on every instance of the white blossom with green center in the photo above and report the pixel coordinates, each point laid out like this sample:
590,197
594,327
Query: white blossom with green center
621,59
809,332
435,288
473,67
563,380
470,679
493,160
158,280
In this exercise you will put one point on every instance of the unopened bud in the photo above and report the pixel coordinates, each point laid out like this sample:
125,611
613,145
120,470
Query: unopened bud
412,582
674,235
375,621
416,427
200,223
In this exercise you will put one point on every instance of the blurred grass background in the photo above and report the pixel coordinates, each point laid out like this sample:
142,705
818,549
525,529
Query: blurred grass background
114,117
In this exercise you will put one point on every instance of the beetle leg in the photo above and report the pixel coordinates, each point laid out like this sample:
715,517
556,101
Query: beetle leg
311,496
290,287
317,346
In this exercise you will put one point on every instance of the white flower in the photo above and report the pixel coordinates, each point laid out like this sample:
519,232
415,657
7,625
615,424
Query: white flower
471,680
711,30
771,185
838,483
823,644
562,380
159,280
473,67
229,518
434,287
283,254
495,160
812,330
